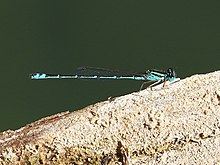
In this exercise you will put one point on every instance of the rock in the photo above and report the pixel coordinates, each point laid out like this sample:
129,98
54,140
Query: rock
177,124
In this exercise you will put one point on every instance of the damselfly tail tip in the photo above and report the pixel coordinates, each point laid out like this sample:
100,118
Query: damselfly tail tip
35,76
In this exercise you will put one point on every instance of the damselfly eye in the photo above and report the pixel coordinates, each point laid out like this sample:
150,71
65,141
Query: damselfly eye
171,73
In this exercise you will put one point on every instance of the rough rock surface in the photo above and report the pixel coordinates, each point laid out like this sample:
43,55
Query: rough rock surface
177,124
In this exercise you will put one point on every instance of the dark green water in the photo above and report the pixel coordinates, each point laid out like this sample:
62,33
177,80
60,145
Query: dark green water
59,36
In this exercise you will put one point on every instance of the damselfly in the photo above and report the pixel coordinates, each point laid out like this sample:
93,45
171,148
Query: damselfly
102,73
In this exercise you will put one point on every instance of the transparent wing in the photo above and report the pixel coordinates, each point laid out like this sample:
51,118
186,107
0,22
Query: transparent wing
105,72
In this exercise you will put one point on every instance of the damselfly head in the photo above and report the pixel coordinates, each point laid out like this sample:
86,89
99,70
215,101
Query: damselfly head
171,75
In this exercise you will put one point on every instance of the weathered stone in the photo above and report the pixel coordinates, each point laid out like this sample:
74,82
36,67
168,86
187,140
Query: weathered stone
177,124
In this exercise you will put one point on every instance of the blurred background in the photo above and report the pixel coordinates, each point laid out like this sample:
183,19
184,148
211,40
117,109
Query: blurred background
59,36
